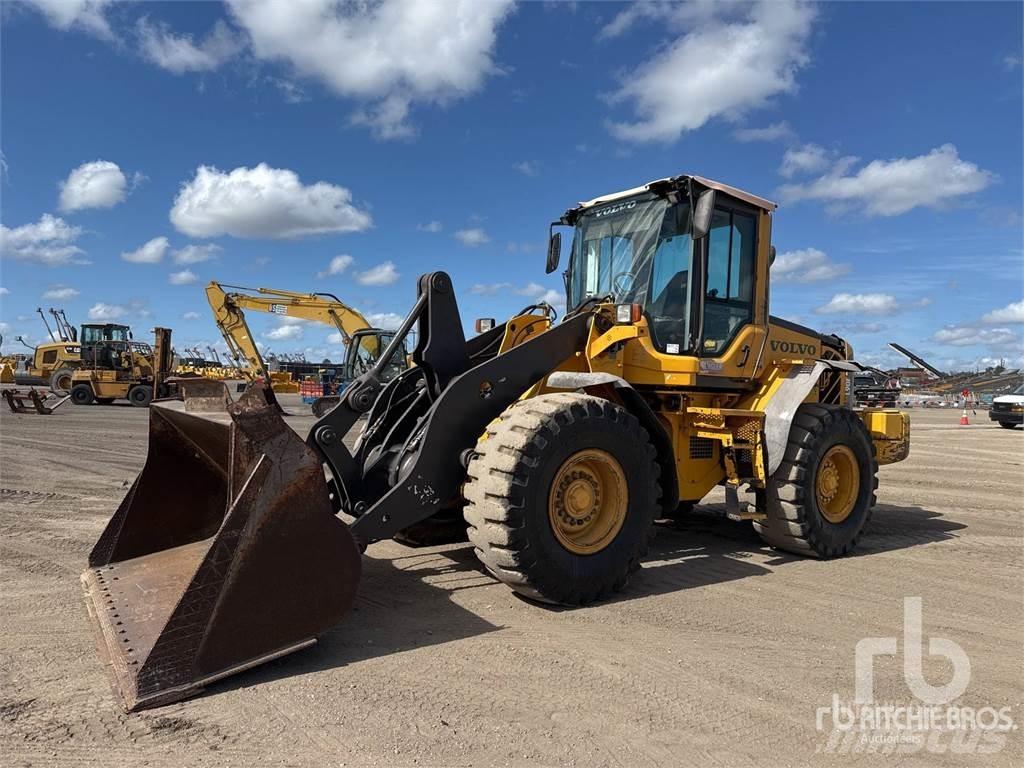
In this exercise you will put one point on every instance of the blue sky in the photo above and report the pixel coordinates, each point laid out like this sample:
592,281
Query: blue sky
151,147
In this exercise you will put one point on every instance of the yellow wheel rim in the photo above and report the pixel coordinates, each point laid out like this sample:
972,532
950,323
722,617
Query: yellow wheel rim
588,501
838,483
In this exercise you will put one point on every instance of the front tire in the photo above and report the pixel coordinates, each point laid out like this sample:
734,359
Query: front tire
562,496
1007,424
141,395
81,394
819,500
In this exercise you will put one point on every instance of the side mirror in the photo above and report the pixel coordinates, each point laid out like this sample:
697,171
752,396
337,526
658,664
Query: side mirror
771,255
554,251
702,212
484,324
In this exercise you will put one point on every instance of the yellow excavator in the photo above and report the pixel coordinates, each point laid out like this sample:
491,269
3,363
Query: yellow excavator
560,442
363,342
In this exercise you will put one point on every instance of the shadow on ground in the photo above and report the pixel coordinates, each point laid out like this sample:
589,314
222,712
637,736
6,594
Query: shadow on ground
398,610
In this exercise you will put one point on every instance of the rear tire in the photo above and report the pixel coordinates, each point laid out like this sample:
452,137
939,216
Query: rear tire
543,460
1007,424
802,517
141,395
60,381
81,394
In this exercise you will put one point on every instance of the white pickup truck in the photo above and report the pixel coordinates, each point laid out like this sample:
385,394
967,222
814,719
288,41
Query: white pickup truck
1008,410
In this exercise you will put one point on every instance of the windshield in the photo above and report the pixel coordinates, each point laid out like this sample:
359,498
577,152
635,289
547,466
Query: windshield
638,251
92,334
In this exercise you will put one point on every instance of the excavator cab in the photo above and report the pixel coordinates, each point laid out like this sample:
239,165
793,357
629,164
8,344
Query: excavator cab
363,351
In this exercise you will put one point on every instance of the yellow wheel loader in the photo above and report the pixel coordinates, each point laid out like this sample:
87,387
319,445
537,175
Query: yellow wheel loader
561,441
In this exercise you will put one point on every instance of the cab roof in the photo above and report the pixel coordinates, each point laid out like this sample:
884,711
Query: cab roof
739,194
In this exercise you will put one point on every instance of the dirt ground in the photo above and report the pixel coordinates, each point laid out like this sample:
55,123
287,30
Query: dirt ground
719,652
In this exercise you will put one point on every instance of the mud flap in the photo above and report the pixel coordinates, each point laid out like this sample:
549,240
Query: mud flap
225,553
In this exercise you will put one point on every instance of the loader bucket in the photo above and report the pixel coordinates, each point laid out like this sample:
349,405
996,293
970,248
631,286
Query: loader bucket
225,553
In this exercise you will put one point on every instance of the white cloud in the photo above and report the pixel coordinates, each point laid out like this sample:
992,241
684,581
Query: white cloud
1011,313
527,167
190,316
98,184
151,252
284,333
473,237
49,241
722,67
892,187
860,303
1011,62
430,226
514,247
179,53
390,53
292,93
87,15
263,202
967,336
807,158
774,132
3,291
388,321
552,297
184,277
106,312
195,254
489,289
533,291
336,266
672,14
808,265
60,293
382,274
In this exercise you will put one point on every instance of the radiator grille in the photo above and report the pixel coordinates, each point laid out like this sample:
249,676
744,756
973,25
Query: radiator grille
701,447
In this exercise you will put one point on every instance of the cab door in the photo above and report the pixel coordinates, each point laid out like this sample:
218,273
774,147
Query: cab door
732,330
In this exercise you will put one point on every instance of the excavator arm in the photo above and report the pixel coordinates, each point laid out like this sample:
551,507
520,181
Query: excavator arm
229,314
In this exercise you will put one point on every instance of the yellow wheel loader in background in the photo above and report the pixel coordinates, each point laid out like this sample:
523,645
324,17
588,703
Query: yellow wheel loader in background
52,362
563,442
364,343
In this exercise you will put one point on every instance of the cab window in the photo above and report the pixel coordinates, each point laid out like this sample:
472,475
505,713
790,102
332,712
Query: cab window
729,298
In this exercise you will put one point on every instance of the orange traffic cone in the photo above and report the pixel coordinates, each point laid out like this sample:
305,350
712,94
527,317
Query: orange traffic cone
963,418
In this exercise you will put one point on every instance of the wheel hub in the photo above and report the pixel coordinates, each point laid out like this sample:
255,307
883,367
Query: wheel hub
838,483
588,501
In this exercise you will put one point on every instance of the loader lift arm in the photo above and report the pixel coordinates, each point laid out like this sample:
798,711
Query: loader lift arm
433,412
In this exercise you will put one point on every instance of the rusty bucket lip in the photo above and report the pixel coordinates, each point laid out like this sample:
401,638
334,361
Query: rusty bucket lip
120,677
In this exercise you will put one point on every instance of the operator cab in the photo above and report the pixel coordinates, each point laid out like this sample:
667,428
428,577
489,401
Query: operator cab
104,345
684,250
365,349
